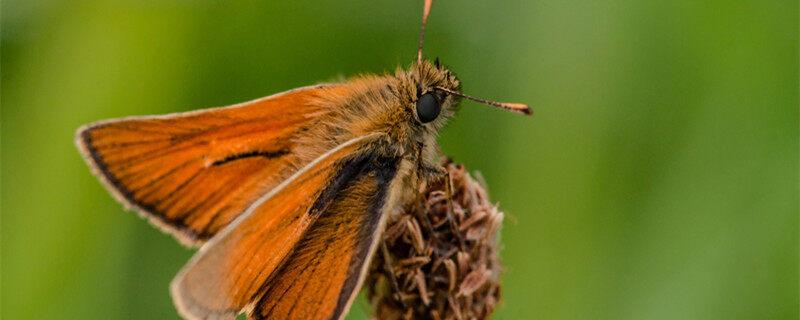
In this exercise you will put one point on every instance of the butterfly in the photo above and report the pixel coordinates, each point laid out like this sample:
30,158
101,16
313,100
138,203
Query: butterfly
286,196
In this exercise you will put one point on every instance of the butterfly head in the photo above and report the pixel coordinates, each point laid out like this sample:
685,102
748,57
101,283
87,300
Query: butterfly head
434,81
425,93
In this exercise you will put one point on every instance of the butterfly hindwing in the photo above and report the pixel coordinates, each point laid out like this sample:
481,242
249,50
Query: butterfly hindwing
325,271
192,173
333,202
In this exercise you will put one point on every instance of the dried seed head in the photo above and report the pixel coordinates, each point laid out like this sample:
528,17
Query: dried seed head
445,262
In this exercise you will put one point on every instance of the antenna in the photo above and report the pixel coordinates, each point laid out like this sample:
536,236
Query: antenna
425,13
513,107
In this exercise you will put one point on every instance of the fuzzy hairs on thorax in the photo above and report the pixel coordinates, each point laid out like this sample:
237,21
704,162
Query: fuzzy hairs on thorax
387,104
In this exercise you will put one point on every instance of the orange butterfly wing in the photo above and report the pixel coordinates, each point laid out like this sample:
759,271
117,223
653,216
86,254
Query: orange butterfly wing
192,173
326,216
326,270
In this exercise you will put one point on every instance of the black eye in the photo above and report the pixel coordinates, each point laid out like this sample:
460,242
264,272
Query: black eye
428,107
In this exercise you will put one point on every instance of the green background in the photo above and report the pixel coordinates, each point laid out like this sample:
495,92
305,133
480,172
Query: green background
657,179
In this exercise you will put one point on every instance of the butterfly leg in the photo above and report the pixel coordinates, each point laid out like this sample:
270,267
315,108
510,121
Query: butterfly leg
449,193
392,277
438,173
421,169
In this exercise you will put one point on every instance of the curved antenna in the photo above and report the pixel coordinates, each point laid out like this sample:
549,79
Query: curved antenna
513,107
425,13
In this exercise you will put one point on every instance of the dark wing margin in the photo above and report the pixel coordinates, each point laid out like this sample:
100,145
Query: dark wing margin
326,270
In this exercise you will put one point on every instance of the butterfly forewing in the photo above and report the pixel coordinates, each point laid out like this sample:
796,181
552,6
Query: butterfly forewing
193,173
239,264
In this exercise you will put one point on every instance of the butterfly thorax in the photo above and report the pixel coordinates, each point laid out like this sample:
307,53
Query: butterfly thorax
384,104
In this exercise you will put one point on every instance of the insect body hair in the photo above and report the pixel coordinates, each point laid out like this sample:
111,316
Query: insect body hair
382,103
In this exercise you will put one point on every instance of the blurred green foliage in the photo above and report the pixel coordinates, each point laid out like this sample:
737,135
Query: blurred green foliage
657,179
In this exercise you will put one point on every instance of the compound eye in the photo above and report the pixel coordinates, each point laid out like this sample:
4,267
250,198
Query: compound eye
428,107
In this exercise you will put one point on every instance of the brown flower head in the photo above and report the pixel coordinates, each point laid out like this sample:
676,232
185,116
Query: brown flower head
445,262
